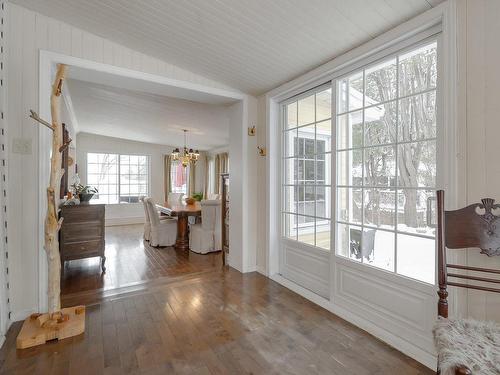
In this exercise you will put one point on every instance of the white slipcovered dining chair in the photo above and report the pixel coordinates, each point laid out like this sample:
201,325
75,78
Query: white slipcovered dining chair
147,221
174,198
207,236
163,232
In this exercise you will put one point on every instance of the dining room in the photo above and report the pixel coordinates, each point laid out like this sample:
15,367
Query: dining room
151,193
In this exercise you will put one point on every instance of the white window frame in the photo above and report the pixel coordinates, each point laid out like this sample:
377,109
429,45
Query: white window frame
283,117
118,187
438,140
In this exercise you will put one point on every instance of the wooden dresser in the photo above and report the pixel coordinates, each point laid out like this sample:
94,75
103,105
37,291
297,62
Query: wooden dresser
82,233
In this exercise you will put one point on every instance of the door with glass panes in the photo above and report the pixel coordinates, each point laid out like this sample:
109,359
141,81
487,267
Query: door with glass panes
306,189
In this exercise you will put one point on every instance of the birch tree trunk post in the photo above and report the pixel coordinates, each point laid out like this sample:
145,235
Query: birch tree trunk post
52,224
57,323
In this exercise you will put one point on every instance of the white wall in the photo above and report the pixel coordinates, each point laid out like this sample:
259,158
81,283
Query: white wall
27,34
117,214
480,125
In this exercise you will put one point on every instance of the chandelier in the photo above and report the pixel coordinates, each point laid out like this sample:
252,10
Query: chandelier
187,156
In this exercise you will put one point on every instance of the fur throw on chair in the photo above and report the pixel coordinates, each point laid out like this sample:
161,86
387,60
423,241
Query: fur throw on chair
468,342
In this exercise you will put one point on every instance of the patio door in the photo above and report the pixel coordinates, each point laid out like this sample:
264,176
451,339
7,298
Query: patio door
307,189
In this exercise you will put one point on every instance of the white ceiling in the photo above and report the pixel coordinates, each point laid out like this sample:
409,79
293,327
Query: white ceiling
145,117
251,45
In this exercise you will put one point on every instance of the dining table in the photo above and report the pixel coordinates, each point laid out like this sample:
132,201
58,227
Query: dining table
182,211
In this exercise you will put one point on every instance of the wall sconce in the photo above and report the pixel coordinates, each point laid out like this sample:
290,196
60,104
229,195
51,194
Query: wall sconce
262,151
251,131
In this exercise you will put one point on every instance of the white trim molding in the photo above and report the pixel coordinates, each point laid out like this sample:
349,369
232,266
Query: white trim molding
401,327
243,157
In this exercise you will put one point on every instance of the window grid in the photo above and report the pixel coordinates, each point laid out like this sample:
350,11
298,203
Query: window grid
297,184
125,179
398,188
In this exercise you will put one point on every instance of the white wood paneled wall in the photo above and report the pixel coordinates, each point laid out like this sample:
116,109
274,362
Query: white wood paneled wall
4,259
480,74
27,33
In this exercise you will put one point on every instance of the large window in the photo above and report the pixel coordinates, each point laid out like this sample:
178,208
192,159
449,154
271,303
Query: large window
119,178
307,131
386,164
179,177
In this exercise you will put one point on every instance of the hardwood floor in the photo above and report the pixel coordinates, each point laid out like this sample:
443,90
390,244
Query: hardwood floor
219,322
186,314
130,263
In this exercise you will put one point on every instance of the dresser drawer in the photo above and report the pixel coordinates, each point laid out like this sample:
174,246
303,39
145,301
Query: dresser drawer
78,250
79,232
82,213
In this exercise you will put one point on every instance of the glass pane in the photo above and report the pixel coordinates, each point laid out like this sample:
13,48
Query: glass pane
380,166
291,142
290,169
290,201
417,211
342,96
349,168
416,257
380,83
289,226
350,130
417,164
305,141
349,205
323,233
306,172
291,110
92,158
323,136
305,230
323,169
380,208
134,159
306,206
418,70
124,159
417,117
324,105
355,88
377,248
323,203
306,110
380,124
344,245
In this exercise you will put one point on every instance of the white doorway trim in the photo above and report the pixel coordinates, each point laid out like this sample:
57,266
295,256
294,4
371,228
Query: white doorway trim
241,207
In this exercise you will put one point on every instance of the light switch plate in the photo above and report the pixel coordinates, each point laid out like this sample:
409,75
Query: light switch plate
21,146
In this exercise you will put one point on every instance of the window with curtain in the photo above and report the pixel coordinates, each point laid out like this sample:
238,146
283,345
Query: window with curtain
179,177
211,176
119,178
386,163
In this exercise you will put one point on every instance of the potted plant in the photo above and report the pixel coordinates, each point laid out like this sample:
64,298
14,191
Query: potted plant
198,196
85,192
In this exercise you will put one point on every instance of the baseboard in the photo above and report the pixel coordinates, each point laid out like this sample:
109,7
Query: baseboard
114,221
396,342
262,271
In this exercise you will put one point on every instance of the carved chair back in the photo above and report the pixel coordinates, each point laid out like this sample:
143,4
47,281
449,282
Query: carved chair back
474,226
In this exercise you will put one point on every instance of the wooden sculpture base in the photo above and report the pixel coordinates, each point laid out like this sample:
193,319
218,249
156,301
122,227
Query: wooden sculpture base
40,328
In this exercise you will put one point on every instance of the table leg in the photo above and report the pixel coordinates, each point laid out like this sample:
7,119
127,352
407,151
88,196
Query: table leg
182,242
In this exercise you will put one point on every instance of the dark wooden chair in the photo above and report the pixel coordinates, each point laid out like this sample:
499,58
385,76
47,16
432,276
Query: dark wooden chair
475,226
